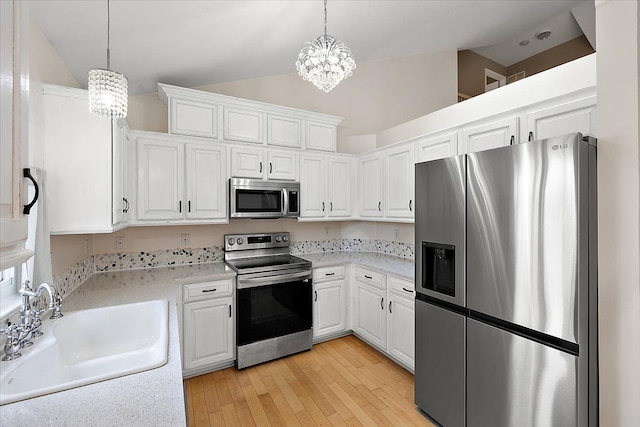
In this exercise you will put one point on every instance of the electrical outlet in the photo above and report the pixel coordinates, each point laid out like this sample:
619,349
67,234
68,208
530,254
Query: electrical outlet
326,231
119,243
86,247
396,233
184,239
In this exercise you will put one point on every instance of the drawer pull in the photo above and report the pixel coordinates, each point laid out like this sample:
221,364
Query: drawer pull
210,290
329,274
407,290
368,277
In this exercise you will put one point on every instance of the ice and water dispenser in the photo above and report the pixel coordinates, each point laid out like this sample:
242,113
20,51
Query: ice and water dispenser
438,268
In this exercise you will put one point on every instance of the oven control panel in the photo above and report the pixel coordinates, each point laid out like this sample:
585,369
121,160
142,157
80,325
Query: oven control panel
242,242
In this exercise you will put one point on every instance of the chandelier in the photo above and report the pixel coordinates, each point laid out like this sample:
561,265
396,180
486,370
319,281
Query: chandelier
108,95
325,61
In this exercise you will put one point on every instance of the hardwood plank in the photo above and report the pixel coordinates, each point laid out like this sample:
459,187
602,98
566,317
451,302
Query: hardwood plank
256,381
200,413
354,407
222,388
270,408
230,416
217,419
212,401
285,388
280,401
257,412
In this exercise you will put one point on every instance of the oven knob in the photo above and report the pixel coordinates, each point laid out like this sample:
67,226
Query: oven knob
285,238
278,238
231,241
240,240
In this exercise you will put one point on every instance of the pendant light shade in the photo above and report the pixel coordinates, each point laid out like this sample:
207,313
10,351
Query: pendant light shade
325,61
108,90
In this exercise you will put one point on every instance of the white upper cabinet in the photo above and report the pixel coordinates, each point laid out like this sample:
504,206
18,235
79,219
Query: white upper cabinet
573,116
437,147
243,125
247,162
282,165
14,126
284,131
399,182
199,113
325,186
486,136
193,118
260,163
122,173
371,185
179,180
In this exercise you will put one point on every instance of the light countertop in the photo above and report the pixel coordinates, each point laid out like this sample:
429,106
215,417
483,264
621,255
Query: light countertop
383,263
150,398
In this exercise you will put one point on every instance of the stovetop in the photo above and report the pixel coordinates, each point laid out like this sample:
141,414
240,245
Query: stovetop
267,263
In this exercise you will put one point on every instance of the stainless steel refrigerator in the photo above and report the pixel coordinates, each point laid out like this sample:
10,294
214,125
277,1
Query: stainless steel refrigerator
506,281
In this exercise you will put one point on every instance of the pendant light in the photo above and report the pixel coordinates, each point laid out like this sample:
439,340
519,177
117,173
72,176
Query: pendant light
325,61
108,90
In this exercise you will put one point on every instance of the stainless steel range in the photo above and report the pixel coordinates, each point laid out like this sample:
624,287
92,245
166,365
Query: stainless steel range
274,306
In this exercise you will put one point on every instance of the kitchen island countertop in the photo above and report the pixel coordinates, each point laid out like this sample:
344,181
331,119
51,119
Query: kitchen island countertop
150,398
403,267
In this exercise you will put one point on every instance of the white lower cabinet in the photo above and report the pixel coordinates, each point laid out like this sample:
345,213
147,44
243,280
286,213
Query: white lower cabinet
329,302
370,316
401,322
207,326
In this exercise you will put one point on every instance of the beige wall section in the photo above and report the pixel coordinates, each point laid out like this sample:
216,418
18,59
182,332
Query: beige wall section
471,72
565,52
619,211
379,231
379,95
69,250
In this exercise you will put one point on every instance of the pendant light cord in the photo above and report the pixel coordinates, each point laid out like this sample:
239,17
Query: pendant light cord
109,36
325,19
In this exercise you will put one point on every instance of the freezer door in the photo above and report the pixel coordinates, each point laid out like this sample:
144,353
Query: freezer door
440,229
523,208
440,368
516,382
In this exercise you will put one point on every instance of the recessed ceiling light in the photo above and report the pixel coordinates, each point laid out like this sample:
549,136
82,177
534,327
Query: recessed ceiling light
524,42
543,34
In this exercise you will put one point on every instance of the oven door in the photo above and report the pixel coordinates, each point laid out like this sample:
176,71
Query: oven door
273,306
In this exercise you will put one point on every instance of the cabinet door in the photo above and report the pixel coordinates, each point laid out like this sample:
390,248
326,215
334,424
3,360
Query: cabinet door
401,327
329,308
160,179
399,182
320,136
193,118
370,186
247,162
433,148
284,131
312,186
206,182
243,125
339,186
491,135
370,316
208,332
121,173
576,116
282,165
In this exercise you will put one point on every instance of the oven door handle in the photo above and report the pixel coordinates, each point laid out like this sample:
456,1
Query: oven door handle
255,282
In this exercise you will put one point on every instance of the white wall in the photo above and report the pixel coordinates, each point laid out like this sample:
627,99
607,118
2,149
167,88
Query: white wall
618,41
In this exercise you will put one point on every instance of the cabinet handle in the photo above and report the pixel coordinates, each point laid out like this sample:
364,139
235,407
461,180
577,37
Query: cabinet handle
530,136
229,310
26,173
189,205
368,277
329,274
513,138
180,206
382,303
322,206
210,290
390,307
379,206
128,205
316,295
270,167
410,205
124,205
407,290
331,206
260,167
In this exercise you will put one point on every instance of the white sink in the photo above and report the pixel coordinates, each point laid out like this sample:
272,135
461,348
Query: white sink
89,346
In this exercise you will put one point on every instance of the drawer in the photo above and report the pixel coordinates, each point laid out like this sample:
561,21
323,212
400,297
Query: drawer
326,274
373,278
207,290
401,287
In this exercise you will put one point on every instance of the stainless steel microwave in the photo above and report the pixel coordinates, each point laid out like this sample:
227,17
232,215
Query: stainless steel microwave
255,198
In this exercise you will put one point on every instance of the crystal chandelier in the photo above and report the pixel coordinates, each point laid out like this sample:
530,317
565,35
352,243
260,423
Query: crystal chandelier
108,95
325,61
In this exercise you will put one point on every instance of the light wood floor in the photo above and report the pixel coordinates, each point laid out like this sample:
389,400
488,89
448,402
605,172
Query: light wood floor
343,382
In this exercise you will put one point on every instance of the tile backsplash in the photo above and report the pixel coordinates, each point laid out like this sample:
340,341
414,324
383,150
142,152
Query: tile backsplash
78,273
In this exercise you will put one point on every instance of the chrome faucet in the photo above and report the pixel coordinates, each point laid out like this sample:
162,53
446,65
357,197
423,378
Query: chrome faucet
19,336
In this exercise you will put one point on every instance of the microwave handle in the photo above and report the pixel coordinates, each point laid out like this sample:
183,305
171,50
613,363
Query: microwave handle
285,202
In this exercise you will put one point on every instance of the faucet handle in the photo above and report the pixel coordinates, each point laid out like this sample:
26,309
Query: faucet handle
12,345
57,307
